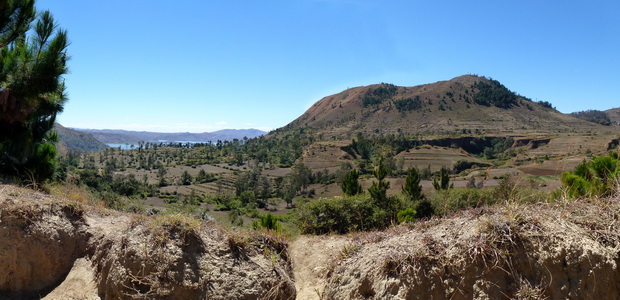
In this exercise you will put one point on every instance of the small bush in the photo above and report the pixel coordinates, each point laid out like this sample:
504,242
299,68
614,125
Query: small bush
598,177
345,214
406,215
450,200
424,209
267,221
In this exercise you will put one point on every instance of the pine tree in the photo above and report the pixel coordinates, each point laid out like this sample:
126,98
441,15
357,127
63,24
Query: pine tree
350,183
32,61
443,183
186,179
378,189
412,188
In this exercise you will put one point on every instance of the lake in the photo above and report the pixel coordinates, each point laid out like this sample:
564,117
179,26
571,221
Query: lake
123,146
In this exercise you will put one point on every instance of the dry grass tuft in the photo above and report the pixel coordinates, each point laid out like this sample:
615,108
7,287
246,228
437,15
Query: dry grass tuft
239,244
175,226
527,291
73,193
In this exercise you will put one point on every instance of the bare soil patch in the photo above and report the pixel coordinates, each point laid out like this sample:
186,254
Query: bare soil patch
312,257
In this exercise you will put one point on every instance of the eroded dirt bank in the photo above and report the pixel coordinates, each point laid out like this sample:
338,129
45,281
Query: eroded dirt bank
541,251
59,250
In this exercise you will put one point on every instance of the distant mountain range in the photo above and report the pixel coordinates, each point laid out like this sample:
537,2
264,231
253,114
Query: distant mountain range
111,136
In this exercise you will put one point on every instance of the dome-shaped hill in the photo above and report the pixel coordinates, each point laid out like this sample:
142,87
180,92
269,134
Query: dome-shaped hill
465,104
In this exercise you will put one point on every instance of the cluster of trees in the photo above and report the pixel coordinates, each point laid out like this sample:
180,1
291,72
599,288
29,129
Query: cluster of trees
112,187
464,164
545,104
281,151
379,94
494,93
408,104
257,188
33,57
253,188
365,148
498,147
357,210
594,116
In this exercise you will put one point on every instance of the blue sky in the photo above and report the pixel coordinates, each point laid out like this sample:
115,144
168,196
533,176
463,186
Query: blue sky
206,65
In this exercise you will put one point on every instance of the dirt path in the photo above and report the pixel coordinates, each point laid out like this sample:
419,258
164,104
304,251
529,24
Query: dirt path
311,256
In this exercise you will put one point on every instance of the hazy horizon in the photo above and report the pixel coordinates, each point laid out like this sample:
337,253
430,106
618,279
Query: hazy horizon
121,129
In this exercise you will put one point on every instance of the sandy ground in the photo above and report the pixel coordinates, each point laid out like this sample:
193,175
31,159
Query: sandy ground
79,284
311,257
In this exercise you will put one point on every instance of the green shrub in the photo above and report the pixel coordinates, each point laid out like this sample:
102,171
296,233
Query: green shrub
204,177
598,177
267,221
344,214
424,209
406,215
463,165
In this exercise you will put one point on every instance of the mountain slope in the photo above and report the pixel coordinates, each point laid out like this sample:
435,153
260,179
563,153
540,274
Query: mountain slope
614,115
467,104
70,139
